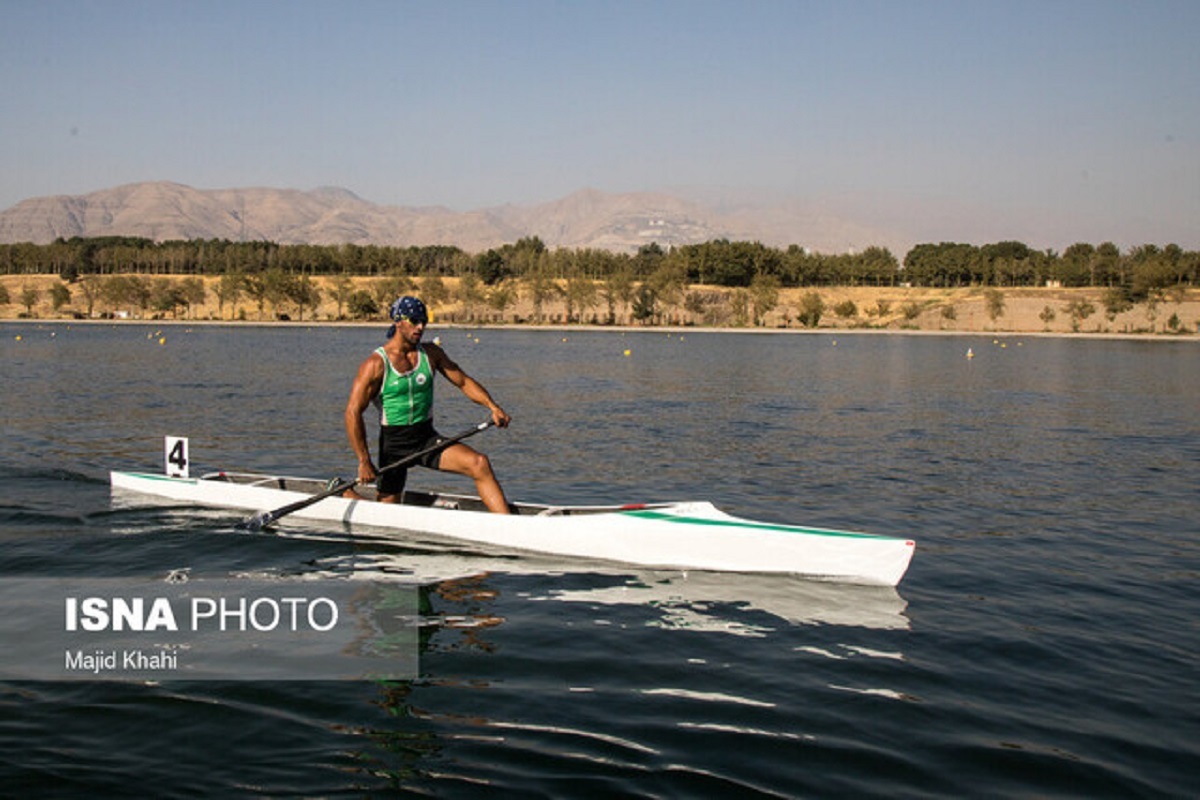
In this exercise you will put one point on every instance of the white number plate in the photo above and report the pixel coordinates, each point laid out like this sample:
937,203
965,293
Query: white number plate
176,450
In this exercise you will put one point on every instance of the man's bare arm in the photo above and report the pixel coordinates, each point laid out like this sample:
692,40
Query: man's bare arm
366,385
470,387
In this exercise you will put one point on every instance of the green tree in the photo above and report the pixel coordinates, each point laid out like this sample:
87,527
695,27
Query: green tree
472,294
617,290
257,290
800,267
1077,266
92,288
644,307
230,289
128,291
29,298
524,257
343,290
166,296
739,304
192,293
812,306
946,264
993,302
1007,264
668,282
303,292
276,288
1151,270
764,296
361,305
540,288
491,267
1116,301
1079,310
501,296
1107,265
846,309
648,259
60,295
581,296
694,304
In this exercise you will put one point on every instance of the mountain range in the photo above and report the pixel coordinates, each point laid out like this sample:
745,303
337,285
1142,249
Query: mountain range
164,211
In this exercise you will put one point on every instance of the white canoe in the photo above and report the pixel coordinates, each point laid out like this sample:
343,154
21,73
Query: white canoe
690,536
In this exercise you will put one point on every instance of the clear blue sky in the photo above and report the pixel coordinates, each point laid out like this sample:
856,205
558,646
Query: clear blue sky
1049,121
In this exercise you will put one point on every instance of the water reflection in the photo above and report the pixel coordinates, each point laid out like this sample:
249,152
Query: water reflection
718,602
733,603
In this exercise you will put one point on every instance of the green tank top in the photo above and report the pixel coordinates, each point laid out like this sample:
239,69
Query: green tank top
406,398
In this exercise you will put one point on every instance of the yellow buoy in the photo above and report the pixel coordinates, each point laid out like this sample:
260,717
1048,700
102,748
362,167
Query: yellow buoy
628,352
18,337
162,340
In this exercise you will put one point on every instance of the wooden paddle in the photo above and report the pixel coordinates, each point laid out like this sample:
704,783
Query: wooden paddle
265,518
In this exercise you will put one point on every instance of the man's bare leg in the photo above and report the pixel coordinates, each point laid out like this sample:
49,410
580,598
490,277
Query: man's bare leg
461,459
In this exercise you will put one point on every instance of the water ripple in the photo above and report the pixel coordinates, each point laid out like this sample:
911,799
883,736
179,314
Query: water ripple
1042,643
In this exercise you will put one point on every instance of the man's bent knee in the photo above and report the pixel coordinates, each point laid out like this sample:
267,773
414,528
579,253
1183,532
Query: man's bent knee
480,466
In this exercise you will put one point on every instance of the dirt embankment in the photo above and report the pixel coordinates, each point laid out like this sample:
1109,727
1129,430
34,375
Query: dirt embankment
1050,310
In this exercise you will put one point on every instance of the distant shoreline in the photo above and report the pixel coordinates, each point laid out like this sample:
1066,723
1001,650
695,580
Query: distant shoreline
973,310
560,329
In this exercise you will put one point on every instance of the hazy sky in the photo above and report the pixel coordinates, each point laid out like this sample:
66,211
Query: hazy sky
1048,121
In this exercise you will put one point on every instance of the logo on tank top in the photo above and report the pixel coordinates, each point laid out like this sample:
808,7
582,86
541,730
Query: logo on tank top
421,379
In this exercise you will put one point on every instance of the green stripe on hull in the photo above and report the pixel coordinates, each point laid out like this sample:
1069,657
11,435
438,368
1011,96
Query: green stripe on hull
166,478
758,526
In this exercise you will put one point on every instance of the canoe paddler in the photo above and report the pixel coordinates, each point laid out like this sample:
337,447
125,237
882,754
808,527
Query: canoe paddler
398,378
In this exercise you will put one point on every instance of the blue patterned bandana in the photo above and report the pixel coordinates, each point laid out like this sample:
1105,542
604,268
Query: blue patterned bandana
409,308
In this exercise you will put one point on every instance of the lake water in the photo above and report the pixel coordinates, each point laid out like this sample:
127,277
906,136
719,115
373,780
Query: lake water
1044,642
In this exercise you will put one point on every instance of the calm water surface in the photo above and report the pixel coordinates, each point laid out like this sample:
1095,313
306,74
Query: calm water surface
1044,642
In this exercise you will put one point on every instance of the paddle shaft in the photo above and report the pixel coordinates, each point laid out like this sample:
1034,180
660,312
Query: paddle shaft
260,521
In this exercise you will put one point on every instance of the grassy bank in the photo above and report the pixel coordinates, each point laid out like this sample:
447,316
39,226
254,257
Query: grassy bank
973,309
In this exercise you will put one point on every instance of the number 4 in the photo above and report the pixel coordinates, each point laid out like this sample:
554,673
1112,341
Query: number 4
177,456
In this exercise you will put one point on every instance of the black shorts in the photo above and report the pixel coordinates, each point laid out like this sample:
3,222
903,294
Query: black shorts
399,441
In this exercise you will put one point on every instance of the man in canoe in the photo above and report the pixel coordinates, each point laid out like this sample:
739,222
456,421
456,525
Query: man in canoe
398,378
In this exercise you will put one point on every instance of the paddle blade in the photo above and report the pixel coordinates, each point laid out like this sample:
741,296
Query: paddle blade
257,522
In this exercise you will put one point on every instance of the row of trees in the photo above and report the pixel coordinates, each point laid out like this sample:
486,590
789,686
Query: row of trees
719,262
278,295
470,300
147,295
1142,270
